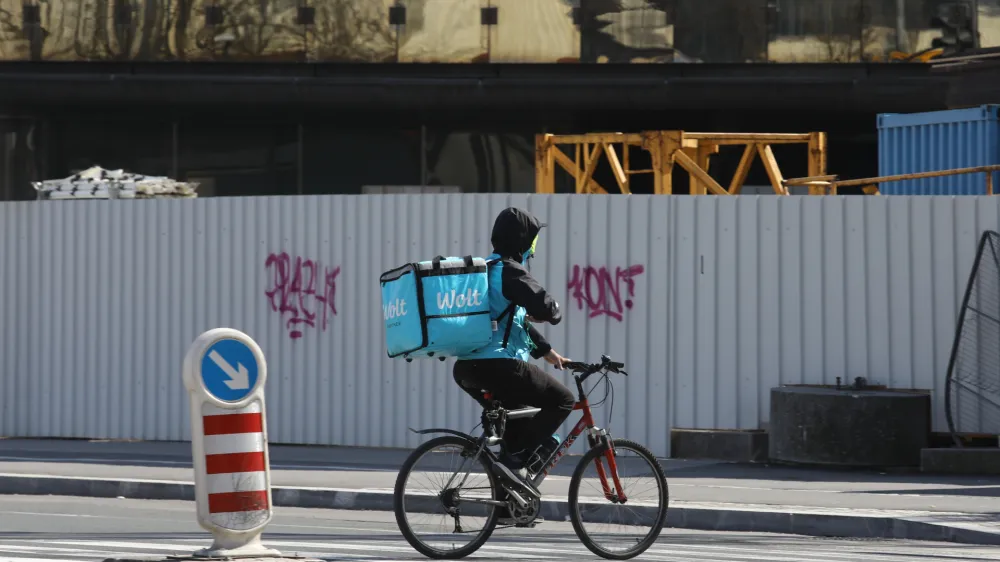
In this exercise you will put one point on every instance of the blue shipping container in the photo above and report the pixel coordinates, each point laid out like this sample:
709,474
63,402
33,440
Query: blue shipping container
939,140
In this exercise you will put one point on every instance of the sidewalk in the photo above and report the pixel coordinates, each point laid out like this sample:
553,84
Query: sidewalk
704,495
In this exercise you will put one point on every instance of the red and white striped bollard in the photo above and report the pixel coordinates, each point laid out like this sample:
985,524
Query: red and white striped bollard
224,372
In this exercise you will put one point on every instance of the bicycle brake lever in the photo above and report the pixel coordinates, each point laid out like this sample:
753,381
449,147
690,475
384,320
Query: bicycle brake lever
623,372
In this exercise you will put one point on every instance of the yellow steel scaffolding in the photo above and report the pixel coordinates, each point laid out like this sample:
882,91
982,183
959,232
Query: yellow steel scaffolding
691,151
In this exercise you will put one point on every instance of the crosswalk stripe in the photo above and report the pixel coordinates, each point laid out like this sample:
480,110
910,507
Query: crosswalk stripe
54,550
41,549
382,547
118,544
540,548
796,555
312,548
90,547
19,559
712,557
521,552
373,551
705,552
331,553
648,555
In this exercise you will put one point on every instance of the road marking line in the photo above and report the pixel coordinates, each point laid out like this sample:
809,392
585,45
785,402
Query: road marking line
118,544
390,530
19,559
58,514
685,552
41,549
827,554
185,464
381,547
92,478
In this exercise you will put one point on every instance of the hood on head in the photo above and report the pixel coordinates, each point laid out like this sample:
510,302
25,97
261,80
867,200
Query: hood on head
513,233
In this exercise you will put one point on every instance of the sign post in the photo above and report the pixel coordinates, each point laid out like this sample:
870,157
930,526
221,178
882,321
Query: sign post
224,373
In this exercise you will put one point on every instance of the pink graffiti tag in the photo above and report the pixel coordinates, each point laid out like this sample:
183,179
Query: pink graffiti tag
601,293
294,292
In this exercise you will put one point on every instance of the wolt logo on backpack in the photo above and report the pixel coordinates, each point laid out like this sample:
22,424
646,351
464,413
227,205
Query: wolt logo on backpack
469,298
438,308
395,309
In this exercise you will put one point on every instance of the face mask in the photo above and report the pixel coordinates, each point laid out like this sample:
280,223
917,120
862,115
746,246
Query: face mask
531,251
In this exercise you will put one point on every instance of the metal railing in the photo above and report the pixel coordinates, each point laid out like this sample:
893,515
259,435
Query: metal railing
830,184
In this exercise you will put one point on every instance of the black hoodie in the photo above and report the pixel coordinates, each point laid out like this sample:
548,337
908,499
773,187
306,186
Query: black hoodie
513,232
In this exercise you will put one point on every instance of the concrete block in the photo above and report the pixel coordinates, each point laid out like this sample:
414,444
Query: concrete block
847,427
964,460
715,444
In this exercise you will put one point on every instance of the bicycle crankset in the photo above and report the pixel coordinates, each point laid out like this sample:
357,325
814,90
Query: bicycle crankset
523,516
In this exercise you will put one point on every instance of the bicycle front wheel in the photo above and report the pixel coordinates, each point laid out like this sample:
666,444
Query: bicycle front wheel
607,527
438,495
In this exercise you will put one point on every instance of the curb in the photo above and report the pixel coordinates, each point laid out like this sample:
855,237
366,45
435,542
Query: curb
732,519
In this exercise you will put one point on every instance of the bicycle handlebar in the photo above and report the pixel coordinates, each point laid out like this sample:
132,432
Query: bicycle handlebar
591,368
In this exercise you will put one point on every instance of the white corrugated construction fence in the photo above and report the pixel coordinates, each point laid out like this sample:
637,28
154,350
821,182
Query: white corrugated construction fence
710,301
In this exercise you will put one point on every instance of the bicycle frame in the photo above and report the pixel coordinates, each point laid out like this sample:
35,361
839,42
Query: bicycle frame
518,499
595,436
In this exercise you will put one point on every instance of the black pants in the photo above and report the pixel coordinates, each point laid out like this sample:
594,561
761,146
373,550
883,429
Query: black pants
518,384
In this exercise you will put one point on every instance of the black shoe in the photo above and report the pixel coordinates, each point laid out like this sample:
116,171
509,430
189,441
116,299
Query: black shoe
511,468
515,463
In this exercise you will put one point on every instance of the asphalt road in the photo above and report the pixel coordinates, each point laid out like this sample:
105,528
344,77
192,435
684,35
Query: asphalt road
40,528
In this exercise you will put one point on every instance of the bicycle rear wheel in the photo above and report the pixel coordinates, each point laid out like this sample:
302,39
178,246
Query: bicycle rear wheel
647,498
443,485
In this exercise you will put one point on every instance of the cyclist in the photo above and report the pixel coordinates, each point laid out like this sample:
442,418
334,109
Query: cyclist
502,366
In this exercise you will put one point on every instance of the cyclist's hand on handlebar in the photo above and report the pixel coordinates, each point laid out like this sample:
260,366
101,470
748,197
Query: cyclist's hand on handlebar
554,358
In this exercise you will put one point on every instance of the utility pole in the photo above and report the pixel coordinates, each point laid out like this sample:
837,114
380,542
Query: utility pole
902,37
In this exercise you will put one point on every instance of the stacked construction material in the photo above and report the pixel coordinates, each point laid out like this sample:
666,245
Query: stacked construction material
98,183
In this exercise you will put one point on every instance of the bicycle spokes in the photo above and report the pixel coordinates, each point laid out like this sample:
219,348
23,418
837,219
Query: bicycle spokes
621,499
444,490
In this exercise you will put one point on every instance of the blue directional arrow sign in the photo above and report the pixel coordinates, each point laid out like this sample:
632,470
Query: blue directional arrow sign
229,370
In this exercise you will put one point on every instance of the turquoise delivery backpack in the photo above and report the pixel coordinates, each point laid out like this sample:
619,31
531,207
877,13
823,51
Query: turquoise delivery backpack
438,308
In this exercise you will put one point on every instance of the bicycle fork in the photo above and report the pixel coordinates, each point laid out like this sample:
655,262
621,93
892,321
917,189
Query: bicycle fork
618,494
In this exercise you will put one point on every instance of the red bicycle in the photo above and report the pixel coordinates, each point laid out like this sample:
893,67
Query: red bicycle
501,497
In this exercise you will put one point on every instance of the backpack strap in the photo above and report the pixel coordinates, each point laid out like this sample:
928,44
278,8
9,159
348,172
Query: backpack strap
510,323
509,311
